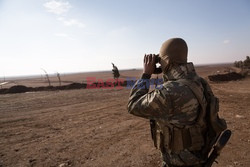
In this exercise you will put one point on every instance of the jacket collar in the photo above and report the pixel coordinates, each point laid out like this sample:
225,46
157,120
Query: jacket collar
182,71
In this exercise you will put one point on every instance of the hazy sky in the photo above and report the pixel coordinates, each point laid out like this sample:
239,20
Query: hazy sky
87,35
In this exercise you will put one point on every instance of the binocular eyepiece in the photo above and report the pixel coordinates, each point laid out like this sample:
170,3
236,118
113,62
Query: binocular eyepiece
157,58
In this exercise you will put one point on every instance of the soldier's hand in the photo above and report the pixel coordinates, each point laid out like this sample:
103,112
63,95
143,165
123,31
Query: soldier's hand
149,64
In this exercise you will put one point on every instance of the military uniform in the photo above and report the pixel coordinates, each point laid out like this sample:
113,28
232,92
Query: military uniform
180,126
115,70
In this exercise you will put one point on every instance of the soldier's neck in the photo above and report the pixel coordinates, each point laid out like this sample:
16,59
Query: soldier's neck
180,72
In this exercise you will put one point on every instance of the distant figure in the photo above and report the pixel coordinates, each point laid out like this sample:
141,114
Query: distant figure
115,71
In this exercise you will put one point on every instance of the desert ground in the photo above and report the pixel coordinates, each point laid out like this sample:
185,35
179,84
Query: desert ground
92,128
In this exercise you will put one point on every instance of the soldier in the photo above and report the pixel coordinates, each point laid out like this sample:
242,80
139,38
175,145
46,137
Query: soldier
179,123
115,71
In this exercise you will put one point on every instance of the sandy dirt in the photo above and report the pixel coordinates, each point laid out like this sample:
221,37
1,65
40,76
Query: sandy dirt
91,127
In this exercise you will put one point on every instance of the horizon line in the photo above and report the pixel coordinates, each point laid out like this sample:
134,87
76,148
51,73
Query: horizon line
78,72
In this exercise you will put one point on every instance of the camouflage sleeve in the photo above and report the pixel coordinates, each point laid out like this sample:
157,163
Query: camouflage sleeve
150,105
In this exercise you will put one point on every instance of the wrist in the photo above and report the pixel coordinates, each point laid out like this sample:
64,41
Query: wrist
146,76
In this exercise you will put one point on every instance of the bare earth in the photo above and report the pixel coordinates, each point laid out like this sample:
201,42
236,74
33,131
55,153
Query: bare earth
91,127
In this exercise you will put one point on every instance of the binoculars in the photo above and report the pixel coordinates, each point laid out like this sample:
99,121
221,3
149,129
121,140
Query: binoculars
157,58
157,70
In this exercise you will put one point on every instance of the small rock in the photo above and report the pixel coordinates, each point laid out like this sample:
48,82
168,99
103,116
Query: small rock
62,165
239,116
236,163
32,160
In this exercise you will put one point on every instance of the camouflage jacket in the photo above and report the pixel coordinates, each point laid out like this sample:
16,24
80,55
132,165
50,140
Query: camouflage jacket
173,102
172,105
